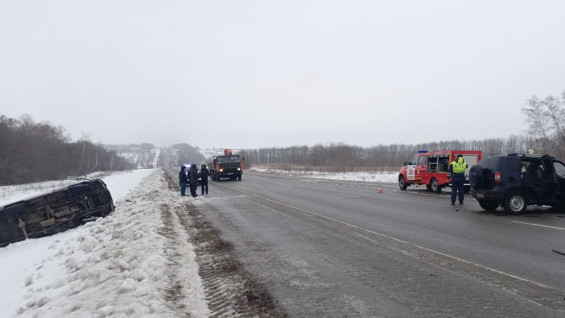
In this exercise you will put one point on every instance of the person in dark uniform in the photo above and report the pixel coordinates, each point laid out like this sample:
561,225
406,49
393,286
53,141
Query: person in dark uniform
182,180
204,173
193,180
457,171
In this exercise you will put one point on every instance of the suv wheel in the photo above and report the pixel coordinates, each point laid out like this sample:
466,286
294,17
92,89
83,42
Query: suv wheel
488,205
434,185
401,183
515,203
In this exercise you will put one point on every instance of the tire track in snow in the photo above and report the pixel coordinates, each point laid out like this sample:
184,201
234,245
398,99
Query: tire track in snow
175,293
230,290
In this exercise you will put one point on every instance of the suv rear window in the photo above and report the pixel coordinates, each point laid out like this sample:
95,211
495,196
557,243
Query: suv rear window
489,163
505,164
559,169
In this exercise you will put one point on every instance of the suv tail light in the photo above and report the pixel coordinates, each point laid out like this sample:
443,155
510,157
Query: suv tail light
497,177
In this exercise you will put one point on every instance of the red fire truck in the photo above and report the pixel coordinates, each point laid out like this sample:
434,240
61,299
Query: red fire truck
430,168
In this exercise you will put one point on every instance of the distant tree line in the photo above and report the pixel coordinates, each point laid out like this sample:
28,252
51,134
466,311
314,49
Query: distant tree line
188,154
143,146
32,152
341,157
546,119
143,155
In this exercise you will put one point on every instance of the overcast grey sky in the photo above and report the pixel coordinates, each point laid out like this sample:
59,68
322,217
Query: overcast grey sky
247,74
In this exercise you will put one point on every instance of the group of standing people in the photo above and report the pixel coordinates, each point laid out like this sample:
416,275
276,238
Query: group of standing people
190,177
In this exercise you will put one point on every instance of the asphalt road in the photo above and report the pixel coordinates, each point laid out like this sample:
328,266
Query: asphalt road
341,249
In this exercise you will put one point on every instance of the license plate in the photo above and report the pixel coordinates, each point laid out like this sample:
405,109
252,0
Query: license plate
479,195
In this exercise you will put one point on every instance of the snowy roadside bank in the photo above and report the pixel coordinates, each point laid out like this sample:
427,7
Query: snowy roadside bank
118,265
119,183
380,177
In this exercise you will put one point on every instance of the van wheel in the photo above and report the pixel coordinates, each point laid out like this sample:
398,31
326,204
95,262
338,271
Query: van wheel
401,183
488,205
515,203
434,185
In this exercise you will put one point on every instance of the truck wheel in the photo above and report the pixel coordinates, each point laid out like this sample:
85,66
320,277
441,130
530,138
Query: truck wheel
403,185
488,205
515,203
434,185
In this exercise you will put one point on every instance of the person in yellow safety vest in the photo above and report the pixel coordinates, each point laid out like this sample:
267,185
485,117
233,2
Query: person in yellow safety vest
457,172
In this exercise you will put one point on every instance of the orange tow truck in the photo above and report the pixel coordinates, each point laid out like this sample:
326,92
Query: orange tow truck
226,166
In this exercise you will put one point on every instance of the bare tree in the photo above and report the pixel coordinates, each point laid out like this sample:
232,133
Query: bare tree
545,118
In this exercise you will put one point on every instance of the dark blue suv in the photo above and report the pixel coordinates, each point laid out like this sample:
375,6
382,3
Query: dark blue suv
515,181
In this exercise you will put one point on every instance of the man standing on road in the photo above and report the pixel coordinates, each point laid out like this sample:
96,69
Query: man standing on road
204,173
457,172
193,179
182,180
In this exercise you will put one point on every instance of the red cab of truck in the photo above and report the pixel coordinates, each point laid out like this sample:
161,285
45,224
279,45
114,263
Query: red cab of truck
430,168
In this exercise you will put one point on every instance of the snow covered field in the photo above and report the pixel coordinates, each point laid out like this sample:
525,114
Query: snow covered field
119,183
114,266
381,177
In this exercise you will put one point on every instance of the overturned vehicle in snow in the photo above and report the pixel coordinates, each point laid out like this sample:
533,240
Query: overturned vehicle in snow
54,212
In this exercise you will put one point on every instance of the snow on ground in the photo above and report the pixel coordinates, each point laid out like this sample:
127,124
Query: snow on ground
156,154
380,177
9,194
209,153
114,266
119,183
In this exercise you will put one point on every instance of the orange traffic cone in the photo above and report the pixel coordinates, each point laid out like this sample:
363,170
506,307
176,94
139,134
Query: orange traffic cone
380,189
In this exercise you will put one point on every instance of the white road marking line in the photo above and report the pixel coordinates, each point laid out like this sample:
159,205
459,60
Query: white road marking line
398,240
348,195
540,225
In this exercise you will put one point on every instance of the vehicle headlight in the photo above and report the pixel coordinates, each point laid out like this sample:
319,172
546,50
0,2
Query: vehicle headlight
238,169
221,170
